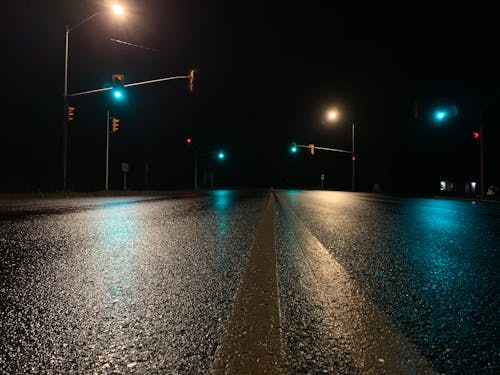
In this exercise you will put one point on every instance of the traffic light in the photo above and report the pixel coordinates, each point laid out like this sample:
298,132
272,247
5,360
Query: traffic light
293,148
117,91
475,135
71,113
440,115
188,141
311,146
221,155
116,124
191,74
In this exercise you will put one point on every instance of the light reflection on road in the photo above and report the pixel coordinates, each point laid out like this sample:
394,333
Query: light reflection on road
116,229
110,285
429,265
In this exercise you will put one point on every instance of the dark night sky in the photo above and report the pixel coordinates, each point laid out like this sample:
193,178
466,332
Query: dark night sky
267,75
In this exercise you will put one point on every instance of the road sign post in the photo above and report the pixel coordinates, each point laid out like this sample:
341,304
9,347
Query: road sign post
125,171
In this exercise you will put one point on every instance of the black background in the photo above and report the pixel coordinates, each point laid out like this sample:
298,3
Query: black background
267,75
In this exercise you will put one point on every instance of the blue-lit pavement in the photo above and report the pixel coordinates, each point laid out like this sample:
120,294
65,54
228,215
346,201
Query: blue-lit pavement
364,284
428,267
116,286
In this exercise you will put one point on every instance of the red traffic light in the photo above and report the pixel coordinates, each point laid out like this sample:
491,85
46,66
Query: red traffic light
188,141
71,113
475,135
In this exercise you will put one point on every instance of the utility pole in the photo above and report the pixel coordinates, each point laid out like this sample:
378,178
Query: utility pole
481,143
107,150
353,160
65,120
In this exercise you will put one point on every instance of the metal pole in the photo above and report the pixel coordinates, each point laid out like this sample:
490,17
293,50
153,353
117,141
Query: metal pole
353,160
481,142
107,149
65,118
195,170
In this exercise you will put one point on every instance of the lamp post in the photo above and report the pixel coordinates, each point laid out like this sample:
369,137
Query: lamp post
353,157
117,9
332,116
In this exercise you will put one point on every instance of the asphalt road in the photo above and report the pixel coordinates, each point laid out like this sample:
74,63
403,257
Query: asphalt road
115,285
249,282
424,271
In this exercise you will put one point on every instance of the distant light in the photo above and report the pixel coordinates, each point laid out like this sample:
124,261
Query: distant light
332,115
188,141
475,135
442,185
473,185
117,94
293,149
221,155
440,115
117,9
353,158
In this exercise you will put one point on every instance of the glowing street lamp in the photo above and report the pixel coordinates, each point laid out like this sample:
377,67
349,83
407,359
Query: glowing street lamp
118,10
332,116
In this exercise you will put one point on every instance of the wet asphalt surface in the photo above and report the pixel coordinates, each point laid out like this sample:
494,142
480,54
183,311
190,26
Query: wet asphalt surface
112,286
145,285
430,266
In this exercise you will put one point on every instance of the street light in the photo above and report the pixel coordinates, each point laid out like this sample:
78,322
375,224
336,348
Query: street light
118,10
332,116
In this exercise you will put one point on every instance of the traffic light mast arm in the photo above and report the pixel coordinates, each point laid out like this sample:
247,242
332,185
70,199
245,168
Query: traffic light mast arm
131,84
325,148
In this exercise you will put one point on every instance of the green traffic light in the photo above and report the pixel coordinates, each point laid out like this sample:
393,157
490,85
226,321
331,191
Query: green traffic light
293,148
117,94
221,155
440,115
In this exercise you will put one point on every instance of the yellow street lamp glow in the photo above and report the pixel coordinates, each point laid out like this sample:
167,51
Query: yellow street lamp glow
117,9
332,115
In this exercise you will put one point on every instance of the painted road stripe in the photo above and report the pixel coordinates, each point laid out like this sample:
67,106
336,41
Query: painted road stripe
375,345
252,342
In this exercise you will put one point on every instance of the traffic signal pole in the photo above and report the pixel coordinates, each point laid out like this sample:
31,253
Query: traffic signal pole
130,85
65,120
107,150
313,147
190,77
481,142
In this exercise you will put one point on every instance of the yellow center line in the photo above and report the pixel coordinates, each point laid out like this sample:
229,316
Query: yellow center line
252,342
